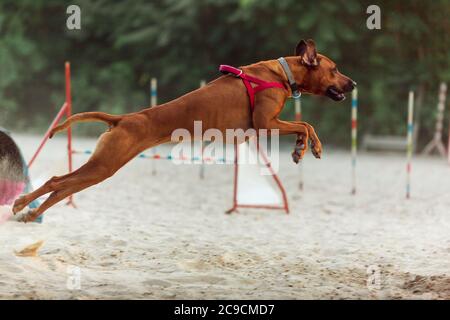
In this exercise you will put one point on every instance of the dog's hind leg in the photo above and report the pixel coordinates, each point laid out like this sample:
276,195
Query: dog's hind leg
47,187
114,149
88,175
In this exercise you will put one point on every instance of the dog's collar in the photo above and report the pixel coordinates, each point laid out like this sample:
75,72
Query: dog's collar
291,80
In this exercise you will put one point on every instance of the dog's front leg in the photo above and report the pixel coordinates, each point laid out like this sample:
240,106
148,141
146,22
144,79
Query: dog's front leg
316,145
266,117
301,146
301,129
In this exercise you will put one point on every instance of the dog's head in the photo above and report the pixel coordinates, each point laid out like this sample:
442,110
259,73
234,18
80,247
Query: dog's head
322,76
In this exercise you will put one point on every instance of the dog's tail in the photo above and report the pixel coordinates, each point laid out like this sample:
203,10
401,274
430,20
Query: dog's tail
110,119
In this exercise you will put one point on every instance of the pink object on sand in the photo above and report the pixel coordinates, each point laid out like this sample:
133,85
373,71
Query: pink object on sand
9,191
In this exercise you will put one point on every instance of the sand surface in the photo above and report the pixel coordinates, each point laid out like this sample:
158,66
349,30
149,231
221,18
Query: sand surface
166,236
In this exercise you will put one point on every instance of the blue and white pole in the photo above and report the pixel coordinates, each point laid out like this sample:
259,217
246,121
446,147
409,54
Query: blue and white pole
153,102
354,131
409,143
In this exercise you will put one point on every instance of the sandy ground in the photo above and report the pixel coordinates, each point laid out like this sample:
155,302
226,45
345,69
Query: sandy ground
167,237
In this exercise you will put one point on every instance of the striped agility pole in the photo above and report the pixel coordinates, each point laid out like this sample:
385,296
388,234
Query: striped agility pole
354,136
202,165
153,102
409,143
436,142
298,117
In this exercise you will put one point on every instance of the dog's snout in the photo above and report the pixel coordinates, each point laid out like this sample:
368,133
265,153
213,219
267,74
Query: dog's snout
349,86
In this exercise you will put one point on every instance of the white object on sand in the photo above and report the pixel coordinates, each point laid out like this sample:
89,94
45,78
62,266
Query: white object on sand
255,187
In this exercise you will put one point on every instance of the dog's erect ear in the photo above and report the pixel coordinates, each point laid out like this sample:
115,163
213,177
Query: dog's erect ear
307,51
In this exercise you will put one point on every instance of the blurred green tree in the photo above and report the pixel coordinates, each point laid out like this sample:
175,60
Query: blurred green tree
123,44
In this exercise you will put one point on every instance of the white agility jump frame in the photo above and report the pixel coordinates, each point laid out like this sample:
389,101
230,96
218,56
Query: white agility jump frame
238,203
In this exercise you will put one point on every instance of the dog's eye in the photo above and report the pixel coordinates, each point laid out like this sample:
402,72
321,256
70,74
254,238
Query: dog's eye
334,70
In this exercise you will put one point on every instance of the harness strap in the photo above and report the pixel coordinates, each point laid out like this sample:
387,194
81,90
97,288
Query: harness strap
248,80
292,83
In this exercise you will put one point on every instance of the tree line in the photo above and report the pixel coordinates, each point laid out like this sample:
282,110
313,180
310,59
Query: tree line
123,44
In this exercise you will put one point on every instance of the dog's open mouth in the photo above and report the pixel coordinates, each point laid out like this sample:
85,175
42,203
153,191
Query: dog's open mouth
335,94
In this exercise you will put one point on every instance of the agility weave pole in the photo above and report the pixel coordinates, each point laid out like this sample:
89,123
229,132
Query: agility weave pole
409,143
202,165
153,102
436,142
298,117
64,111
354,132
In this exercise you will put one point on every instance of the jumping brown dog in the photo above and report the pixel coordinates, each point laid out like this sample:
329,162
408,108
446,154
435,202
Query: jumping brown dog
221,104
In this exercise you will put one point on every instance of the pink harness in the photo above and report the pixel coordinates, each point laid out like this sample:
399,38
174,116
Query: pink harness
248,80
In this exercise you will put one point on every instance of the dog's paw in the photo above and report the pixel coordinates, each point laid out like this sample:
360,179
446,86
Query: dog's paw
316,149
19,204
299,150
30,216
295,157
